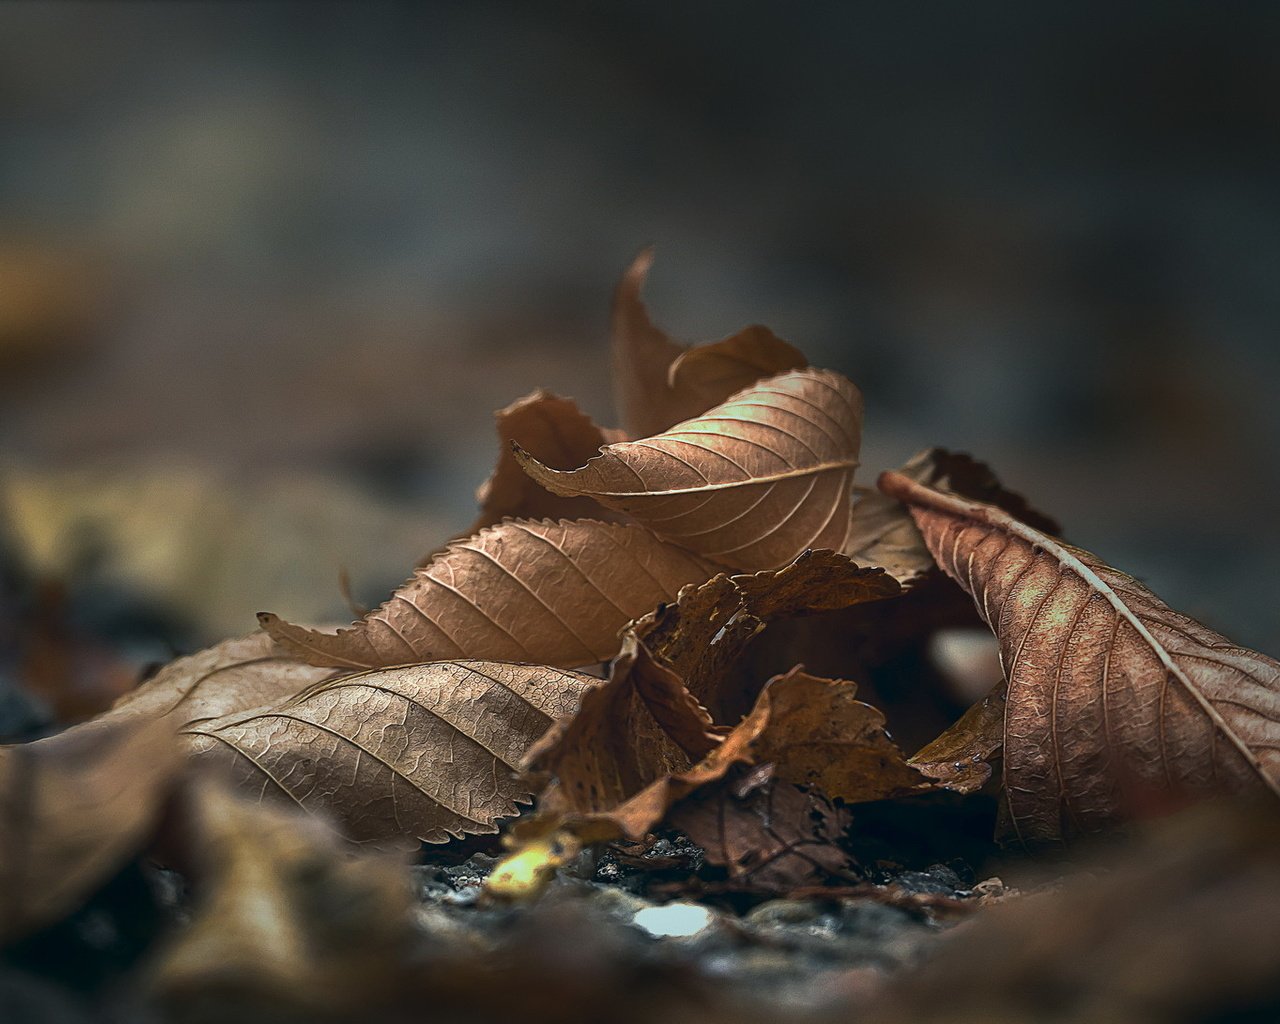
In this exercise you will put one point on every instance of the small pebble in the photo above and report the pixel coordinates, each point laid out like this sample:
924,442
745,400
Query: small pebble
675,920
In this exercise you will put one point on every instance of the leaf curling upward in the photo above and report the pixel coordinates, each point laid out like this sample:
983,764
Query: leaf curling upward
882,532
556,432
1112,695
658,382
645,737
750,483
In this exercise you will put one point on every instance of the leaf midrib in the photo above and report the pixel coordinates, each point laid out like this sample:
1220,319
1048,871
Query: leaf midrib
1001,520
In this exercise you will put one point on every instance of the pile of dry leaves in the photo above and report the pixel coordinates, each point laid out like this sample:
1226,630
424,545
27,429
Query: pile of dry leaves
620,638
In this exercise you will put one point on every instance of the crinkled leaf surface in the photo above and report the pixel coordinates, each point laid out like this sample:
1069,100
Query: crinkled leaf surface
772,837
1111,693
554,593
423,751
819,734
658,382
751,483
645,738
962,757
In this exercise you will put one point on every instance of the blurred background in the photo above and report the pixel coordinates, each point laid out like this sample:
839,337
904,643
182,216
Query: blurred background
266,269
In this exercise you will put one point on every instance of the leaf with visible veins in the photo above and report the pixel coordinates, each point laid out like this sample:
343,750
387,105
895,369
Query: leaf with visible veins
1111,694
420,752
750,483
645,738
882,532
228,677
557,433
551,593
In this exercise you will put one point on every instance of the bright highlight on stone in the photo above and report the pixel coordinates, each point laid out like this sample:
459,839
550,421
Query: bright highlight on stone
675,920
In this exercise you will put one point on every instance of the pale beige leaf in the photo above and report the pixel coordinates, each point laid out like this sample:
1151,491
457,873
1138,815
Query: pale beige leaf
555,593
1113,697
751,483
658,382
423,751
231,676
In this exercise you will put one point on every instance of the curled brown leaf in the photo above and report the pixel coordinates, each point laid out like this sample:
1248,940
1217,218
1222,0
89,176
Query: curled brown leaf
658,382
555,432
1113,697
644,738
750,483
882,532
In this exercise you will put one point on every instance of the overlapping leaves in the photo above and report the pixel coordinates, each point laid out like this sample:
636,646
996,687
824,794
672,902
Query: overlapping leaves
724,502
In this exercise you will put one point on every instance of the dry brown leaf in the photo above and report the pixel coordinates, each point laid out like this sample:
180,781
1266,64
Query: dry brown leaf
288,924
73,808
772,837
556,433
659,382
1112,695
881,532
818,734
234,675
750,484
424,751
551,593
638,742
962,757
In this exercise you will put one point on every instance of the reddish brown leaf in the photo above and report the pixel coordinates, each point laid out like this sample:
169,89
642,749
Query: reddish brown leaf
1111,692
659,382
751,483
962,757
423,752
634,746
544,592
774,837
